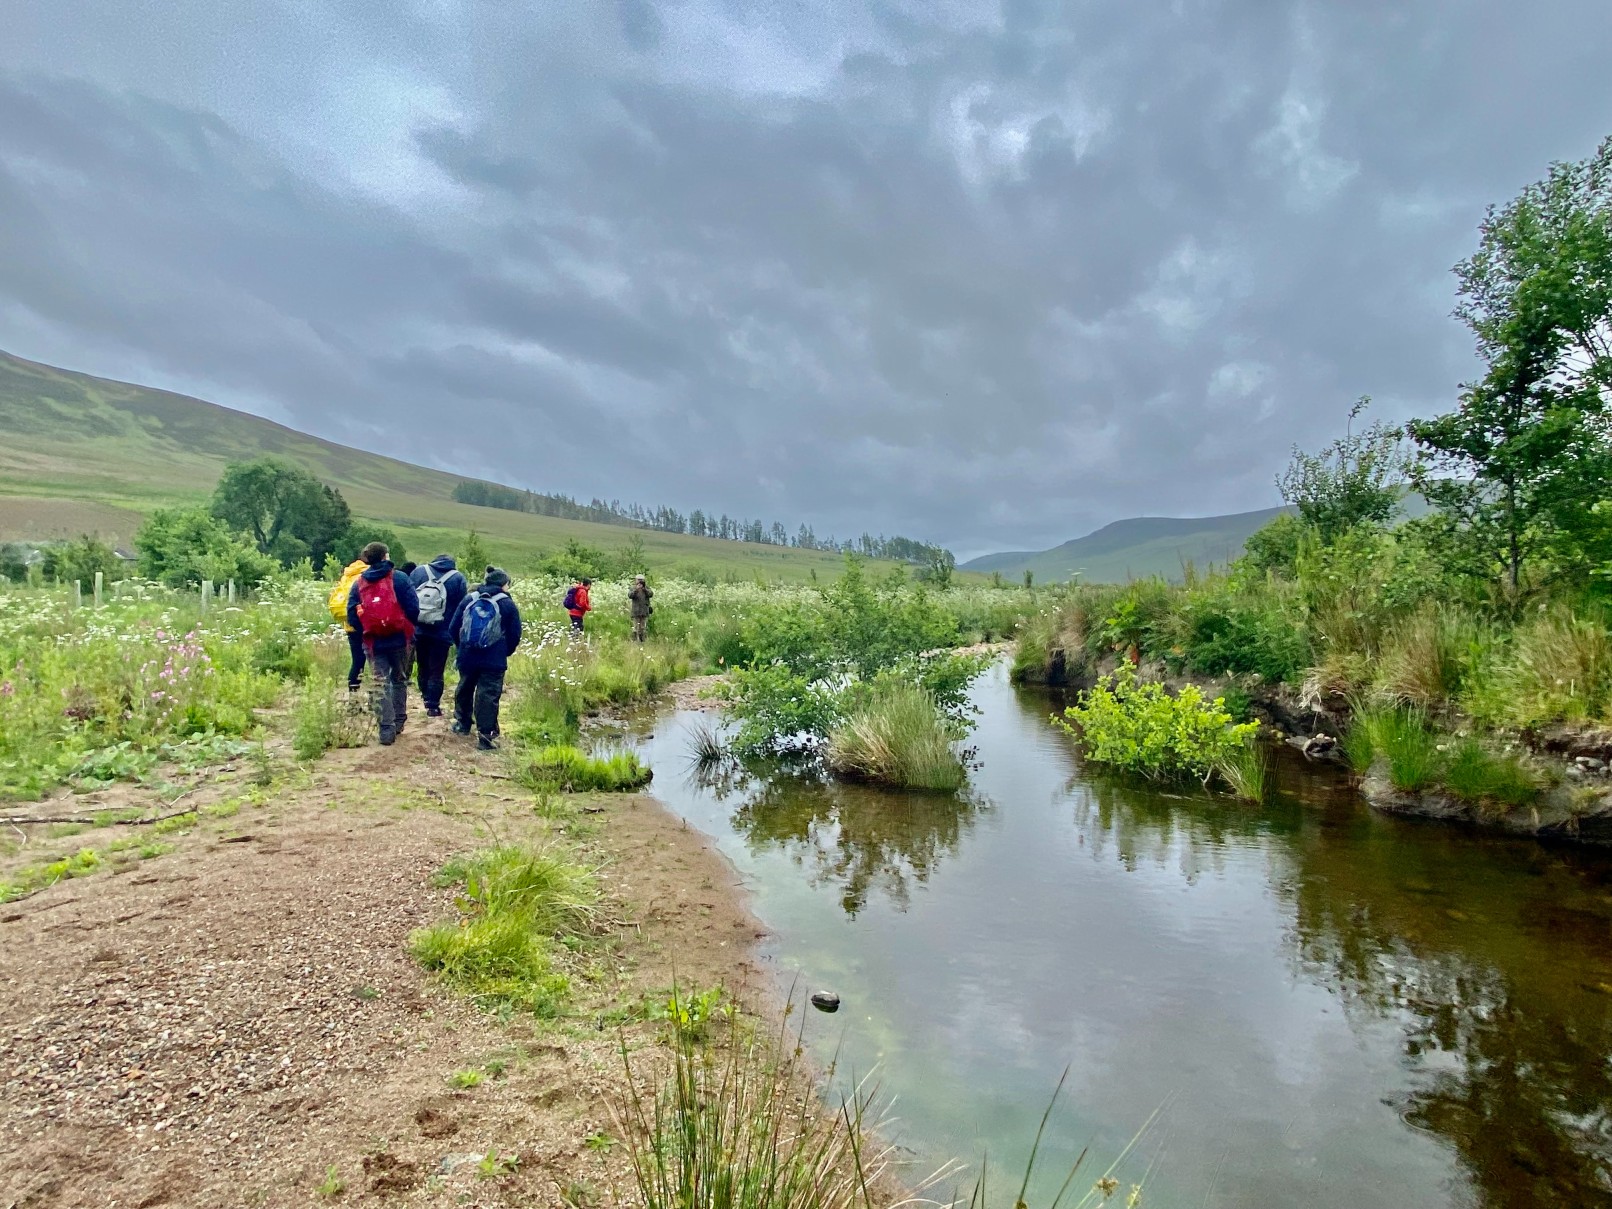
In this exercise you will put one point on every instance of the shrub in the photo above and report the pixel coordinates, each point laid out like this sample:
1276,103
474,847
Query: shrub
566,768
1137,725
513,900
180,547
897,737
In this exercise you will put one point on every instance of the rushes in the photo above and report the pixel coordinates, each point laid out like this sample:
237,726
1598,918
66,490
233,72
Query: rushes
1243,769
898,738
561,767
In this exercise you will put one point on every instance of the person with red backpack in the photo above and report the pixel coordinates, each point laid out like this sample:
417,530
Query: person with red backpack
577,603
383,608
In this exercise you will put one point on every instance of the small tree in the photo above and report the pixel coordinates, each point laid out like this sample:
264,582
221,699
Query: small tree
183,546
80,559
1356,480
1514,468
474,557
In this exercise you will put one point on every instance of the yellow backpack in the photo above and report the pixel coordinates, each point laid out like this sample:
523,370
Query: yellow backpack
343,589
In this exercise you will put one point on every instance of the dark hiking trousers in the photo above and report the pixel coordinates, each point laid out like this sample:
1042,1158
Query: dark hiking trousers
389,689
430,663
479,692
355,645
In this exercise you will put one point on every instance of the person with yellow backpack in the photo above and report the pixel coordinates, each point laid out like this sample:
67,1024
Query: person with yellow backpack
338,610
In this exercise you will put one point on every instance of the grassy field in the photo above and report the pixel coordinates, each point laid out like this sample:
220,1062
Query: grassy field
83,454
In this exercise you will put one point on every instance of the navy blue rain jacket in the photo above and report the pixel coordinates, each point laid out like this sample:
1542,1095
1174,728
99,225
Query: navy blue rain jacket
406,599
497,658
457,586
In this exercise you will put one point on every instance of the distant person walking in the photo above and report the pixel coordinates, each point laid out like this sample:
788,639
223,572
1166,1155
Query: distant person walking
639,599
383,608
441,586
486,629
338,609
577,603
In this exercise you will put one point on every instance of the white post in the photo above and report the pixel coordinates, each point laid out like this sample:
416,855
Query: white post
100,582
78,594
206,594
232,591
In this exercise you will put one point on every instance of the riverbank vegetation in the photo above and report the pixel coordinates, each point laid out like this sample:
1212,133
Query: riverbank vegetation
1443,583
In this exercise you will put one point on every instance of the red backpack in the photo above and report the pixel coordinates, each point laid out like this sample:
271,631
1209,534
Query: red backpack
378,610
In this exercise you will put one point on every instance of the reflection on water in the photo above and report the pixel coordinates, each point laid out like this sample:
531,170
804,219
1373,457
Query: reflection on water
1338,1009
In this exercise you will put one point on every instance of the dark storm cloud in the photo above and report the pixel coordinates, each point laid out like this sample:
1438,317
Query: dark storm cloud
990,274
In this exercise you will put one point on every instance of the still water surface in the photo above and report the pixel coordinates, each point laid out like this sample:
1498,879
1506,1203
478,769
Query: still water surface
1331,1008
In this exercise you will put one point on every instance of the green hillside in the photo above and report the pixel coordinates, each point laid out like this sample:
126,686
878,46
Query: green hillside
1134,549
82,454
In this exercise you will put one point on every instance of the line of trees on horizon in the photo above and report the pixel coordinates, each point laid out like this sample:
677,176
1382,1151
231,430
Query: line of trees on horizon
698,524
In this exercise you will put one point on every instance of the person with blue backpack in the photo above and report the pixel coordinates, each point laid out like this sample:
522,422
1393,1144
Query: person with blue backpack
486,629
440,585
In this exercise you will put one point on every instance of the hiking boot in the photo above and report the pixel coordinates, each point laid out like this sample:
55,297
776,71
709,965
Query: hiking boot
459,728
486,743
353,686
432,711
388,738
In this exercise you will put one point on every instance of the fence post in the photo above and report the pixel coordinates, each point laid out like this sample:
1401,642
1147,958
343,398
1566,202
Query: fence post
100,582
206,594
232,591
78,594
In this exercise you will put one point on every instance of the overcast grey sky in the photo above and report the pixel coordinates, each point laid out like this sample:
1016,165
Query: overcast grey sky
990,274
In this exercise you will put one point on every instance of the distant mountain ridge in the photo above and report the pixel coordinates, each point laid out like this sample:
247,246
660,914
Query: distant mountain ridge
1136,548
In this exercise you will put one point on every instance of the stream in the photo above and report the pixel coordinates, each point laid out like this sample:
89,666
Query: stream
1313,1004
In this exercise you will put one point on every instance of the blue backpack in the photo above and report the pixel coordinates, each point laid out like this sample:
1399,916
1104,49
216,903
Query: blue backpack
483,626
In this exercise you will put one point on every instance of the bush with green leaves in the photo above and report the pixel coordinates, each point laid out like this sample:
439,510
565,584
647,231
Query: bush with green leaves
1139,726
79,561
180,547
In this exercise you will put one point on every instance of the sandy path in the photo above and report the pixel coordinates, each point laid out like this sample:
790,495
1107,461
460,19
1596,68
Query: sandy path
223,1024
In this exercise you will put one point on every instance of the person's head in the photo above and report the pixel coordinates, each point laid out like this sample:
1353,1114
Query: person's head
375,553
497,577
443,558
586,582
407,567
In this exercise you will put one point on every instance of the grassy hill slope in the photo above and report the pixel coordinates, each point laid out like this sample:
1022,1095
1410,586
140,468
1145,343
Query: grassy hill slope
1134,549
84,454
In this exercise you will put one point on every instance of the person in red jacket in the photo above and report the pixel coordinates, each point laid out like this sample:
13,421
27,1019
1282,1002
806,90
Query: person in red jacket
577,603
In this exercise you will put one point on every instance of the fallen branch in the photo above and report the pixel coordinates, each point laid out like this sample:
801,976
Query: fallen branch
89,820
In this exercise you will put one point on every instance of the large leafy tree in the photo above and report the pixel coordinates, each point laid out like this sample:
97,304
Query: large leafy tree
287,512
1514,469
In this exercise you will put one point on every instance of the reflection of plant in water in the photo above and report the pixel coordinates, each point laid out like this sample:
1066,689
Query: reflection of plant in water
858,838
1503,996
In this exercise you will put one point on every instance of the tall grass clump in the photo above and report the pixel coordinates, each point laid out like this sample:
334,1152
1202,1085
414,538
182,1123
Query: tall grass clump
1425,658
1244,769
740,1125
561,767
1401,738
1557,668
897,738
325,714
513,901
1476,774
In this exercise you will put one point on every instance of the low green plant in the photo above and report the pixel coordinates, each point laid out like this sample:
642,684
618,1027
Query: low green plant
1476,774
464,1080
512,901
896,737
1401,738
493,1164
31,878
691,1013
333,1185
1244,771
561,767
1139,726
599,1143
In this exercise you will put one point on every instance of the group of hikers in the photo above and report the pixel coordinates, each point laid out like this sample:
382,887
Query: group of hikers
405,620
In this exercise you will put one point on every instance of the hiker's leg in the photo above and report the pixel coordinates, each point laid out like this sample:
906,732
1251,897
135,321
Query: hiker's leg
576,622
463,696
489,690
380,692
431,661
638,628
355,646
403,661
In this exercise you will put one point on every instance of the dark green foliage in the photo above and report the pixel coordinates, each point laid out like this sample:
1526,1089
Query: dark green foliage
1274,547
287,512
1227,635
1475,773
79,560
183,546
360,533
13,562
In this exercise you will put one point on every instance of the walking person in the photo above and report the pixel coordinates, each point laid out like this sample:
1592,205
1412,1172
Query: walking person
639,599
383,608
577,603
441,586
338,609
486,629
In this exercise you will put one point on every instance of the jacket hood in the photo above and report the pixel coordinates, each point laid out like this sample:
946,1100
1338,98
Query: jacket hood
356,567
443,565
379,571
492,589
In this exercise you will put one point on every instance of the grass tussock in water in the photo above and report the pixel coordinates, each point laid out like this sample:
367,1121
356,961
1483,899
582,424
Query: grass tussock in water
514,901
897,738
1418,759
1244,771
561,767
